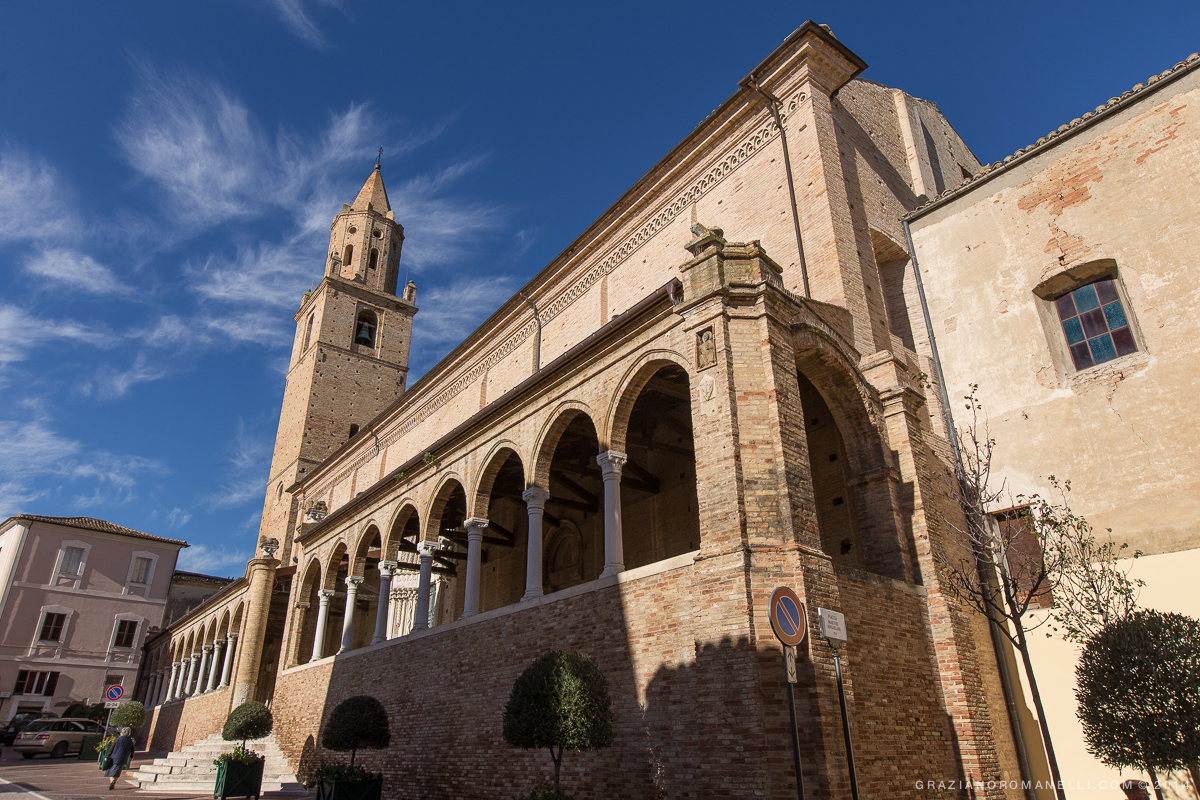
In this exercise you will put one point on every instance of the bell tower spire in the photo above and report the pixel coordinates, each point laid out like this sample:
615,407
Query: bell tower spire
350,355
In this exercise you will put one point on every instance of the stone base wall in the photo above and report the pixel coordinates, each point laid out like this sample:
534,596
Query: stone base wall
174,725
693,696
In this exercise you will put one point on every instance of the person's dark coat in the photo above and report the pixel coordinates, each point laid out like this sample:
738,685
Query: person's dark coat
121,750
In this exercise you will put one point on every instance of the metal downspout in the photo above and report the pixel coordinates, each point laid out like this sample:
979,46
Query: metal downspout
774,103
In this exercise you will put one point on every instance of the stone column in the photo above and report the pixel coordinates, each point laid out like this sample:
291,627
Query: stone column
323,598
151,688
352,584
475,528
176,681
228,665
214,672
202,675
189,686
260,573
160,691
170,695
421,614
614,548
535,503
386,570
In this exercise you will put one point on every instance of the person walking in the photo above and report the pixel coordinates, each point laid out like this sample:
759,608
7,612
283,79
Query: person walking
121,750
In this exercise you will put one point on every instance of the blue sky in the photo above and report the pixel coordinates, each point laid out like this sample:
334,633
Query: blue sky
168,173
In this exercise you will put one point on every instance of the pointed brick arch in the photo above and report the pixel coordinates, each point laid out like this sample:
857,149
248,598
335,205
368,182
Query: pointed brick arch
330,567
437,506
400,521
493,462
558,422
632,383
362,546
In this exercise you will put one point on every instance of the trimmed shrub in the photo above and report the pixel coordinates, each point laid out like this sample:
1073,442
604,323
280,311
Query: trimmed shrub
128,715
250,720
357,723
560,702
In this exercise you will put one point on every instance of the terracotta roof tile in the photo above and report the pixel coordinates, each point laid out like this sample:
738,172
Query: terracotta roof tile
104,526
1051,138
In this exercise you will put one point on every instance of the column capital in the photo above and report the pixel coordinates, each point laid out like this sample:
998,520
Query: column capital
535,497
195,657
611,463
387,569
219,642
353,582
326,594
208,648
426,549
233,636
475,523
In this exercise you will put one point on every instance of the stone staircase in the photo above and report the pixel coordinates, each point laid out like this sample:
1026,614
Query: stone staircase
191,770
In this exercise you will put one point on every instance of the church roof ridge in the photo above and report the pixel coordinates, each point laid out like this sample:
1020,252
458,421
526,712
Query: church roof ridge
373,193
1063,131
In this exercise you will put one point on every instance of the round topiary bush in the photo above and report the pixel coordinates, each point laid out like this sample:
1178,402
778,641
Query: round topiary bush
560,702
250,720
131,714
357,722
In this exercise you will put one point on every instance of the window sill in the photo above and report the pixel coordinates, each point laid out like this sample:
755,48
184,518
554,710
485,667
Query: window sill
1108,373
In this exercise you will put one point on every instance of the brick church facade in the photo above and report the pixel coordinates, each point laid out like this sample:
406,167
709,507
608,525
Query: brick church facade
722,386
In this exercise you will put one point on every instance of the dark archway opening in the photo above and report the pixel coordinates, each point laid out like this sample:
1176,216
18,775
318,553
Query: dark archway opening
573,525
829,466
502,574
660,516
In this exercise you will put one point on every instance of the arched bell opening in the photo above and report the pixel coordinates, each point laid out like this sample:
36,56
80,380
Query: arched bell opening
573,522
660,515
365,326
829,466
506,540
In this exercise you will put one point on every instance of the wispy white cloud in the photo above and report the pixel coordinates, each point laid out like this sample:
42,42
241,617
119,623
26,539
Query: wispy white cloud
296,17
451,311
178,517
440,229
35,205
21,332
108,383
245,479
39,462
75,270
223,561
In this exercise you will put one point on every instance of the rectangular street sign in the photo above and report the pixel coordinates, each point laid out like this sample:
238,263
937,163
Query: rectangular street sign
833,624
111,703
789,654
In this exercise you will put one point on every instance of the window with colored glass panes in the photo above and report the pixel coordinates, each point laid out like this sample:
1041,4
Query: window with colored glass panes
1095,324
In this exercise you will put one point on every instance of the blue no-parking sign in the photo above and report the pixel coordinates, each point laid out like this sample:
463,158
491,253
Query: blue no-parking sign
114,692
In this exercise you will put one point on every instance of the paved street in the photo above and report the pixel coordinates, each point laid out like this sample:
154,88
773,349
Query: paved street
70,779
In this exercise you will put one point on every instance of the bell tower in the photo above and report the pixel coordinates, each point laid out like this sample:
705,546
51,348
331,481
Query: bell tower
350,355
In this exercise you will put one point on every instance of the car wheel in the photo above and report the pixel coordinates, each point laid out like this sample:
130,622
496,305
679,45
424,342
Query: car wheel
59,750
28,755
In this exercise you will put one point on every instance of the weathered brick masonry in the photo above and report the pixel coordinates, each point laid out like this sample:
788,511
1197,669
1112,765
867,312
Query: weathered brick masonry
692,433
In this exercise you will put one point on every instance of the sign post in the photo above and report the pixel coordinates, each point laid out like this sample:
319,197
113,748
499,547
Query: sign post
113,694
833,629
789,620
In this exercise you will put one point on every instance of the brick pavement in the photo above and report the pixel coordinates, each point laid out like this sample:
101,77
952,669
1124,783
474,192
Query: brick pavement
71,779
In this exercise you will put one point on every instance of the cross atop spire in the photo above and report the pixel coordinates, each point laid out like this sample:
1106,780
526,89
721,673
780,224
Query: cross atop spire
373,192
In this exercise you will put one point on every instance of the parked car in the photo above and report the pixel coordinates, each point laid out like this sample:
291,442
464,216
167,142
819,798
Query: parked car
58,737
18,723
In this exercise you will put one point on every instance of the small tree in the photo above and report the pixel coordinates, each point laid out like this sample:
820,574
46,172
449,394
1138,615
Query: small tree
1043,553
1139,693
357,722
560,702
250,720
131,714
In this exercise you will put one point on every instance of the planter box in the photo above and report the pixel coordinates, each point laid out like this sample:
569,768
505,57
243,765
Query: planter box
88,747
102,753
239,780
350,790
